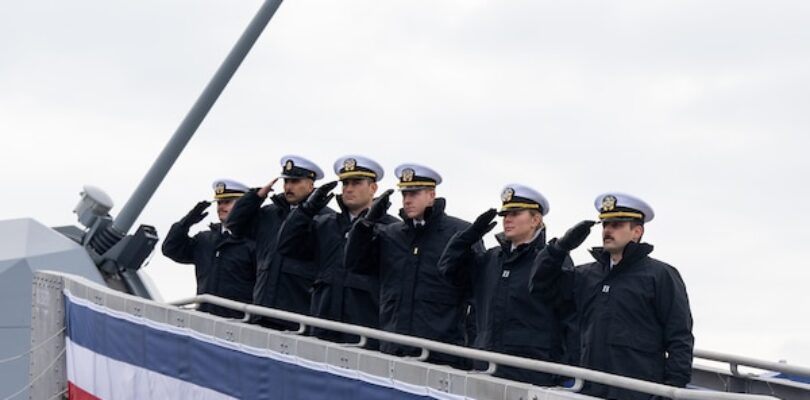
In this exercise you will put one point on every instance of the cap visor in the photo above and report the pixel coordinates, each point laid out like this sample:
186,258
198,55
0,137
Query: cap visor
285,176
622,219
414,188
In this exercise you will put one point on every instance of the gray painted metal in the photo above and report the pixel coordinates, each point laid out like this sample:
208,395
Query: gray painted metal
132,209
27,247
722,380
440,378
47,367
94,203
735,360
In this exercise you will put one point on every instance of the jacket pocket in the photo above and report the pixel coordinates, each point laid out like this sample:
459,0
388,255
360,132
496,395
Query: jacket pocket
365,283
527,338
442,297
640,343
302,269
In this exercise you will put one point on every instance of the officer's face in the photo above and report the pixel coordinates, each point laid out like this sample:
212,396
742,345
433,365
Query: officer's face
224,208
297,190
520,225
358,194
414,202
617,234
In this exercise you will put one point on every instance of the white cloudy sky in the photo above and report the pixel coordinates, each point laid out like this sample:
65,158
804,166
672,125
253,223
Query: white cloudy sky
699,107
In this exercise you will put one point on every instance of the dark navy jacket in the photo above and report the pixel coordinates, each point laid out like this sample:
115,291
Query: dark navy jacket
337,294
635,319
224,265
509,318
281,282
415,298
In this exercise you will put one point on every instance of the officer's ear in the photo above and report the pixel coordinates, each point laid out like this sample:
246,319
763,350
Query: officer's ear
373,186
431,193
537,219
638,231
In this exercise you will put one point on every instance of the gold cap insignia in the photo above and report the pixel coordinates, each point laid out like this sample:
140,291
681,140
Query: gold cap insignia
220,188
507,194
288,166
349,164
408,174
608,203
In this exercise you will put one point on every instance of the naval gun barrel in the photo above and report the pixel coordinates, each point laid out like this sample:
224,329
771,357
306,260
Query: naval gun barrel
149,184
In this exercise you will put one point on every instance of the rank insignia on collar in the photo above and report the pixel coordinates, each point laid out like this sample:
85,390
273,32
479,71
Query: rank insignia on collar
407,175
507,194
608,203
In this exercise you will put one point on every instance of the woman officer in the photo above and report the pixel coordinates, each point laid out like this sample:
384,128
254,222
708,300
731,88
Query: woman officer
509,318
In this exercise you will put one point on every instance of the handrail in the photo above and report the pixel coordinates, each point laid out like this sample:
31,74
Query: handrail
493,358
741,361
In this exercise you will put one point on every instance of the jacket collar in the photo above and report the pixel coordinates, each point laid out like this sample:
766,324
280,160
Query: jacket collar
432,214
344,211
632,253
538,242
280,201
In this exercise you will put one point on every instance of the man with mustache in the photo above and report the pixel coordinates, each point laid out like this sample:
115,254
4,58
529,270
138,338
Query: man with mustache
337,294
415,298
224,265
281,282
633,310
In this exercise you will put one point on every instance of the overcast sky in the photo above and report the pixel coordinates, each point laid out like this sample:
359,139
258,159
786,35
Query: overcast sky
701,108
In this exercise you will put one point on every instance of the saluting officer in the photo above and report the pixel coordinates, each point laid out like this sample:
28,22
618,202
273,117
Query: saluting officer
509,318
633,309
415,298
337,294
225,265
281,282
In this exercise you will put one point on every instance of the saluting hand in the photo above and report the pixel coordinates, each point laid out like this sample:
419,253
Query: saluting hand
319,199
267,188
483,224
380,206
197,213
575,236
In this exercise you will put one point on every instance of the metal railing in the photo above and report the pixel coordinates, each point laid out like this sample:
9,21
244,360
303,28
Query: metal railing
735,361
494,359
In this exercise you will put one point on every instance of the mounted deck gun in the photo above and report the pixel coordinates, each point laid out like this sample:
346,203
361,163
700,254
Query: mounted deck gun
117,254
103,251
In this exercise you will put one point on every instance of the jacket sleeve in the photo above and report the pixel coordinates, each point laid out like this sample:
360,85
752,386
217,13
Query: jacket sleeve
674,313
178,246
296,238
553,275
362,248
460,258
242,220
565,308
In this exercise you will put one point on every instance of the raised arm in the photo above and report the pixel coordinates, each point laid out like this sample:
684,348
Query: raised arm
177,245
362,245
242,220
465,247
548,273
296,238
